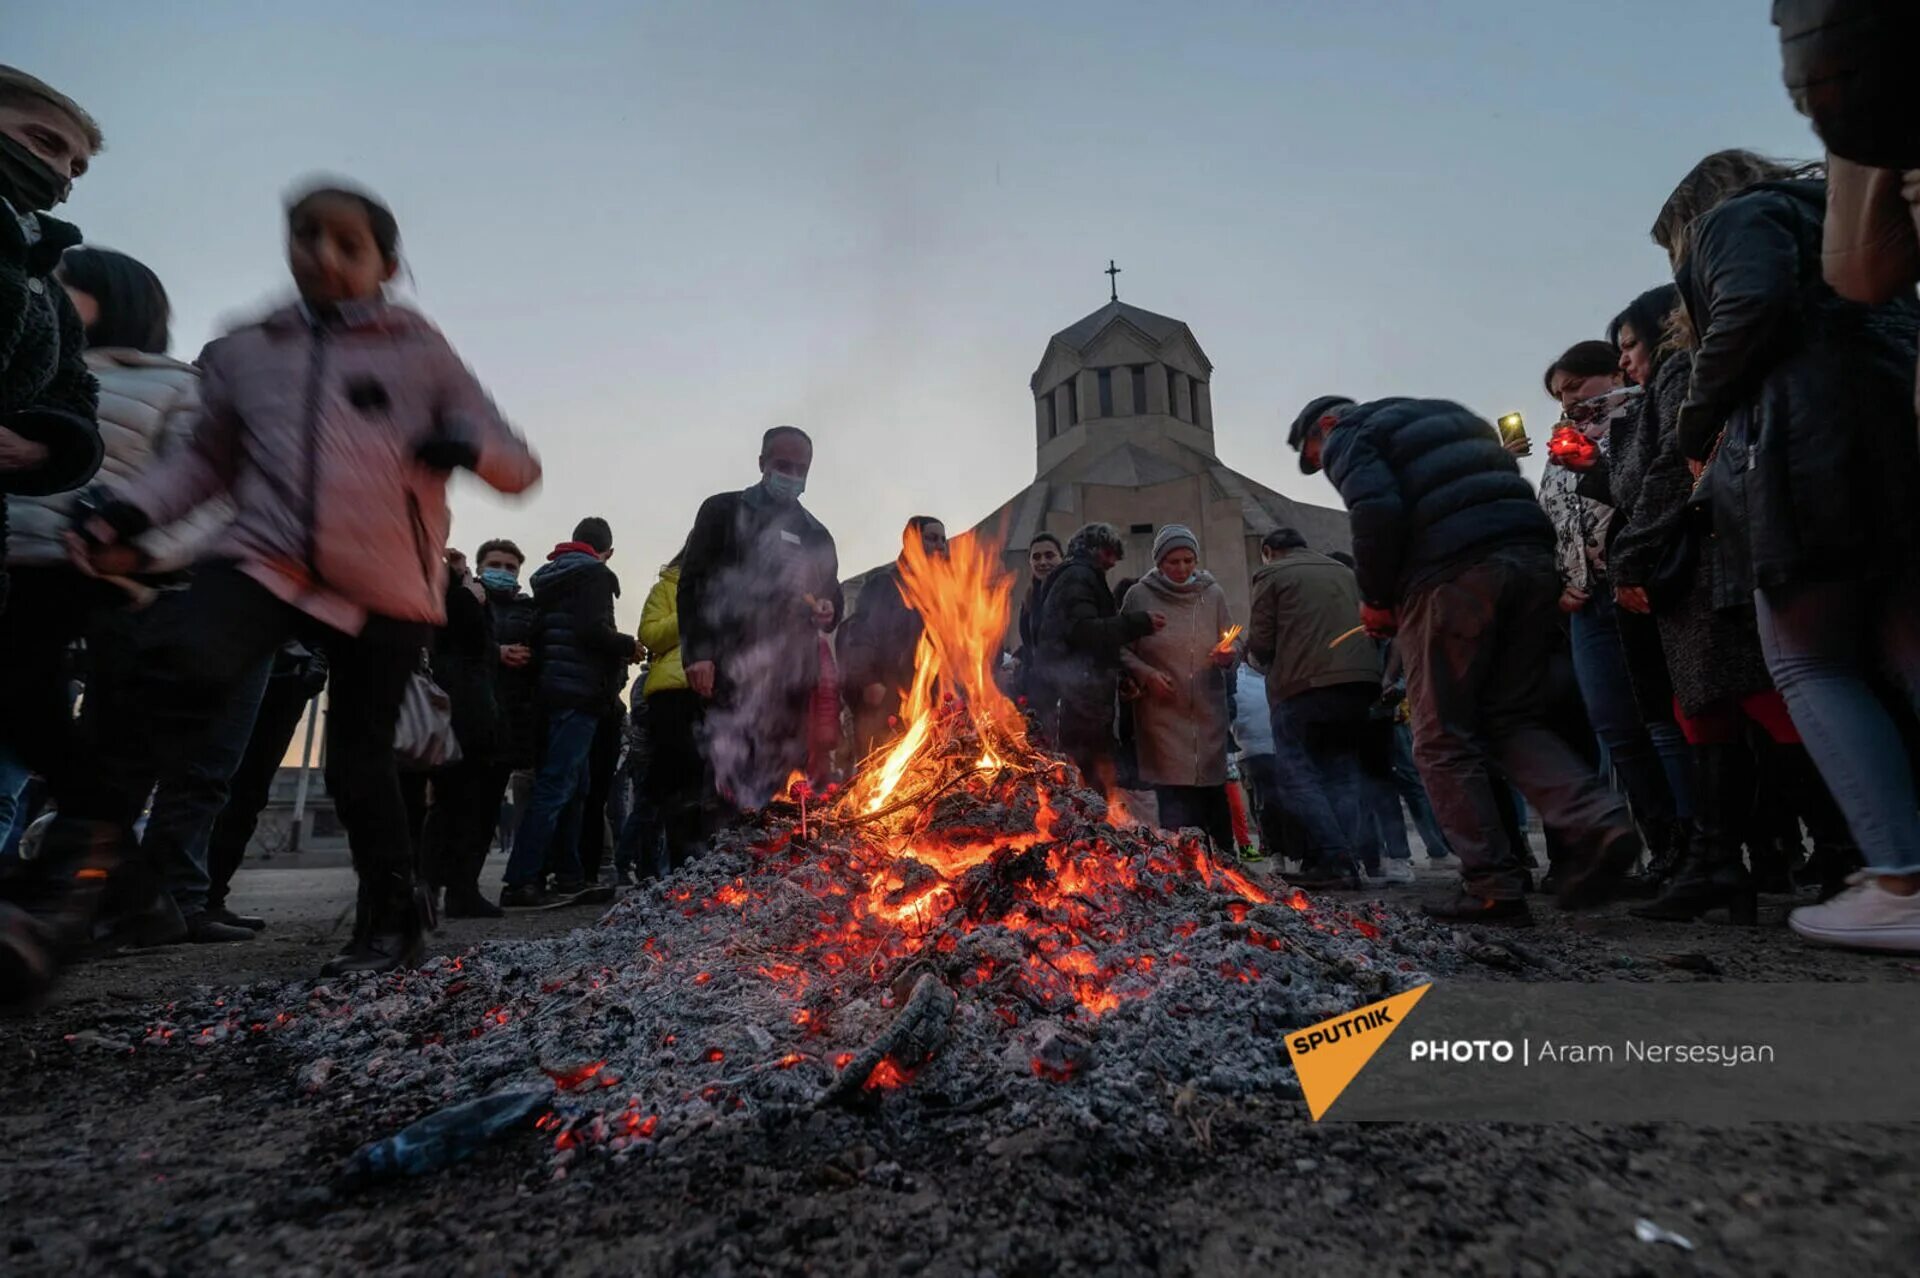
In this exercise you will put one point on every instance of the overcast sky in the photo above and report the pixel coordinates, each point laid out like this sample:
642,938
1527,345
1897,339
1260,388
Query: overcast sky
655,229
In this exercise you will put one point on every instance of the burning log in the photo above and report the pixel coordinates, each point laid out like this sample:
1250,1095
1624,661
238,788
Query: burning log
915,1035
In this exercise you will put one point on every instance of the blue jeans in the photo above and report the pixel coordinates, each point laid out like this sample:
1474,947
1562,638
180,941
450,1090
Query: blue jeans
1317,738
559,788
13,783
1646,757
1413,792
193,790
1826,642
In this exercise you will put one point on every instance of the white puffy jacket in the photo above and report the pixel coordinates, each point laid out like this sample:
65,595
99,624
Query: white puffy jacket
148,405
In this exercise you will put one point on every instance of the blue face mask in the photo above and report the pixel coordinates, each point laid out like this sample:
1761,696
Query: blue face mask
500,580
784,487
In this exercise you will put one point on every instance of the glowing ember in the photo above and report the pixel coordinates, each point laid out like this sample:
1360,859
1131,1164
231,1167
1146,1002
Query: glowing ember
886,1076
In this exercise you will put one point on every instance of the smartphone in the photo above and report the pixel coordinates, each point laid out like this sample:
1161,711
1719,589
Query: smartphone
1513,428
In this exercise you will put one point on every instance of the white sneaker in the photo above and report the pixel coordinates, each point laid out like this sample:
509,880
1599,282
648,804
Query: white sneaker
1864,917
1391,872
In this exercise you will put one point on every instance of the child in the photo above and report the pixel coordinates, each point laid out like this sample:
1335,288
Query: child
334,425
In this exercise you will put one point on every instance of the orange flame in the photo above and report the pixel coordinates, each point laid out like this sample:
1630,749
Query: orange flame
1227,638
964,598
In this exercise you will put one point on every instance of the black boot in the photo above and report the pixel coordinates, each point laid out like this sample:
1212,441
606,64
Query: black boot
394,932
1712,875
47,919
1668,840
1835,855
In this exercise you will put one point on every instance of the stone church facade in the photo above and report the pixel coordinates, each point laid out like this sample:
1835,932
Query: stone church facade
1123,434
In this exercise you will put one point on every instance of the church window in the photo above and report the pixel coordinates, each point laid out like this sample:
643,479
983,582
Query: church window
1053,418
1073,401
1173,395
1106,392
1139,372
1140,530
1193,399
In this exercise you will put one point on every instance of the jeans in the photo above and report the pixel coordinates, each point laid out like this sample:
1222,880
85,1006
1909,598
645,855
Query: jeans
192,792
1413,792
1478,648
1825,643
282,708
1317,738
1380,798
1641,752
559,784
13,783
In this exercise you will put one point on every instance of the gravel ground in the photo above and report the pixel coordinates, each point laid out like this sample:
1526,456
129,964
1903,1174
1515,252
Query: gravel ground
180,1161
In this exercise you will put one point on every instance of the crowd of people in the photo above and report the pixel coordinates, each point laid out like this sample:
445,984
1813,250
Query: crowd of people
1692,651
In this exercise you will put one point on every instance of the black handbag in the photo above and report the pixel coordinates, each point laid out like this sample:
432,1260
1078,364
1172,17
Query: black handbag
1849,65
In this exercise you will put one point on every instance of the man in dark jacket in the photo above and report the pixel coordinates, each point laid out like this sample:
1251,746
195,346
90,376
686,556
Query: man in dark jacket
1080,637
581,658
1453,551
517,744
759,585
878,643
49,441
1323,680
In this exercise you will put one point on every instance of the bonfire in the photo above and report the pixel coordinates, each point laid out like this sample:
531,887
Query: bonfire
963,925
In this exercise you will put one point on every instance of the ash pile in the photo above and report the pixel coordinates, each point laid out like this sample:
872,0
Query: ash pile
1011,949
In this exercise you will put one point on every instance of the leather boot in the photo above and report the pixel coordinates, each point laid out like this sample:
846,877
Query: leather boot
1713,875
395,936
47,919
1668,840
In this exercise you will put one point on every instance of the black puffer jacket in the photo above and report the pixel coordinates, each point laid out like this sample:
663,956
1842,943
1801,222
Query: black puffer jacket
46,393
581,654
1081,634
512,617
1428,487
1818,466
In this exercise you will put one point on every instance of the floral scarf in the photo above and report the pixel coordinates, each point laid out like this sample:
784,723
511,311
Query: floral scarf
1581,524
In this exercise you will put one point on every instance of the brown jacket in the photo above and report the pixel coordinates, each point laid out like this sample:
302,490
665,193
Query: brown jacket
1871,247
1303,630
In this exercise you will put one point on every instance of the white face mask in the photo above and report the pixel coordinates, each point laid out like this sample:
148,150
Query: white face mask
784,487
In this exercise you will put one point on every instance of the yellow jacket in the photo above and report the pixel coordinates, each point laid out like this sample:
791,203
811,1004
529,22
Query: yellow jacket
660,631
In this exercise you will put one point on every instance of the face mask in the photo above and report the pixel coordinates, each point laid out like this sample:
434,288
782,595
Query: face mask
28,182
499,579
784,487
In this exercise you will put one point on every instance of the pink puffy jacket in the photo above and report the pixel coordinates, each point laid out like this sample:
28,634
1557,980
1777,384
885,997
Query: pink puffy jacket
311,428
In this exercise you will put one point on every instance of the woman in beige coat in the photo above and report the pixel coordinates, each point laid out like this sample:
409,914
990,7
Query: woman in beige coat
1181,720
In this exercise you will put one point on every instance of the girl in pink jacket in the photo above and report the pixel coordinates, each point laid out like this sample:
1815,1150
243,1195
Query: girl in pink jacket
333,425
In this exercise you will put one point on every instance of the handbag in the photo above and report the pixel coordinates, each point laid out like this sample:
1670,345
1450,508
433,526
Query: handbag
1673,573
423,738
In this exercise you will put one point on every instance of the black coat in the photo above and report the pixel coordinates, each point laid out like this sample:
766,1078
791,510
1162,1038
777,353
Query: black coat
465,656
1427,487
1712,654
750,563
1818,466
518,744
581,654
46,393
1081,634
878,642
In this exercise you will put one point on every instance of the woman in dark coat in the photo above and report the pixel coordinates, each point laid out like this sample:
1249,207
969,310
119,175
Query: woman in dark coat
1081,636
1798,405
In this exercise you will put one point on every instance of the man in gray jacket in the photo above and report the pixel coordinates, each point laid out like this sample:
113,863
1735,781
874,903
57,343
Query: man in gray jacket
1323,677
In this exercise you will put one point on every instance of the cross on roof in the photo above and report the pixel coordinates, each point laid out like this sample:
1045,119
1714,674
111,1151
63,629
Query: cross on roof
1113,280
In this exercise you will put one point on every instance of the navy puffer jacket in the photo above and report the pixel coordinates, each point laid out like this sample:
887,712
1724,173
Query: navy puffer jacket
1427,486
581,653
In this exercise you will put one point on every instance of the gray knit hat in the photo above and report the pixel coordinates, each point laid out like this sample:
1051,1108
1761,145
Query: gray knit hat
1173,537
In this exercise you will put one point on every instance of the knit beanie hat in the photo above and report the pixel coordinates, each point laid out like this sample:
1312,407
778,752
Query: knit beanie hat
1171,538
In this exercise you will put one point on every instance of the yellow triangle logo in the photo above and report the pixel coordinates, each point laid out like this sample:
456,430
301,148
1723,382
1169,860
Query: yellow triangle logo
1328,1056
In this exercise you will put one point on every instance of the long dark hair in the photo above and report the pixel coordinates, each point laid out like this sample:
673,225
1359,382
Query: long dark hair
1711,183
134,311
1649,316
